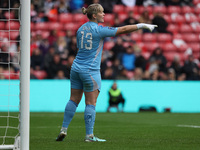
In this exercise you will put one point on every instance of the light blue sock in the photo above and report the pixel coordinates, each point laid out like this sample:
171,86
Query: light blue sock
89,117
70,110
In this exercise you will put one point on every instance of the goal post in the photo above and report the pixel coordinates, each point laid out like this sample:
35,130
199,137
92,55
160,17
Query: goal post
22,93
25,75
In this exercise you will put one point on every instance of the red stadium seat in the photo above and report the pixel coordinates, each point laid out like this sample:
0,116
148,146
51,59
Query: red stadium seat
12,25
109,18
3,35
149,37
41,26
196,28
187,9
118,9
177,36
167,18
53,17
65,18
14,35
146,55
122,17
169,47
136,37
182,48
32,26
174,28
150,47
161,9
197,10
71,26
185,28
61,33
108,45
191,18
141,9
164,37
178,19
45,34
127,44
130,8
55,26
170,56
41,74
195,47
2,25
9,15
195,2
79,18
191,37
174,9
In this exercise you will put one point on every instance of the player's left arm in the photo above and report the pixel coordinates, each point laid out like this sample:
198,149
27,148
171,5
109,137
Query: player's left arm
132,28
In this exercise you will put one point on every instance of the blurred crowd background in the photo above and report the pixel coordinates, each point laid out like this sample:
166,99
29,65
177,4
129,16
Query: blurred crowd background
171,52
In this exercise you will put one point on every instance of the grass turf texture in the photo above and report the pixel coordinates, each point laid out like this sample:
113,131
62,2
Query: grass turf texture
123,131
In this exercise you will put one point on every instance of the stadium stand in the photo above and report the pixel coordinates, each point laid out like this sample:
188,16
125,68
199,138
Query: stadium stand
183,27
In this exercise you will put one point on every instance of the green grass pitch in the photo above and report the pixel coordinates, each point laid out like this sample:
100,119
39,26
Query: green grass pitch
123,131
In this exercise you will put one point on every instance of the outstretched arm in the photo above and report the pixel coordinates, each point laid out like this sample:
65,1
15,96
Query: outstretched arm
132,28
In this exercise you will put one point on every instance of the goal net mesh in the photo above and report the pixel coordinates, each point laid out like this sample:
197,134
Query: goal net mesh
9,71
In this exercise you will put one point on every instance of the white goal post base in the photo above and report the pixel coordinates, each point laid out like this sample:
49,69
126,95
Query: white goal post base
16,145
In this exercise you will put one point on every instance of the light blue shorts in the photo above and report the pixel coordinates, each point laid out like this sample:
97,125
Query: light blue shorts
88,81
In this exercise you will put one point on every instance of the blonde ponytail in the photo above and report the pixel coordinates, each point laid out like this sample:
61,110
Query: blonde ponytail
84,10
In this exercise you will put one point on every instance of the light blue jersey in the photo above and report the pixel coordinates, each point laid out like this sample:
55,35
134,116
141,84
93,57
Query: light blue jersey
90,39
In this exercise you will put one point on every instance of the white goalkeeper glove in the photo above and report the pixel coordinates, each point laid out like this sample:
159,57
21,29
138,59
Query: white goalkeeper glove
150,27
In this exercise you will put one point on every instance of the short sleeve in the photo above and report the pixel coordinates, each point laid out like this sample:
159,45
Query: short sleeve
107,31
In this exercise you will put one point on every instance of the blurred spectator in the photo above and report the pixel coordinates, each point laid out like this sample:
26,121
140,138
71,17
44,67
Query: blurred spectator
115,98
161,22
55,66
15,58
52,37
33,14
1,73
154,75
108,74
37,60
130,20
146,75
190,68
49,57
4,56
62,6
44,47
176,65
61,47
117,22
69,64
76,5
48,5
118,49
140,61
60,75
138,74
173,2
73,46
128,59
160,59
144,17
129,3
32,75
171,74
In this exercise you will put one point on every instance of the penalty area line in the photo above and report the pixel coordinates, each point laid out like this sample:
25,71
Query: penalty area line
188,126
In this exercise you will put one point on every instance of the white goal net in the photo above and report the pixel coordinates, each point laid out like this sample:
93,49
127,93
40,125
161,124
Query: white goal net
11,94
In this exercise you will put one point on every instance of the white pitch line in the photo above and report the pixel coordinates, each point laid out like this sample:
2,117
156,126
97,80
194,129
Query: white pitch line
189,126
